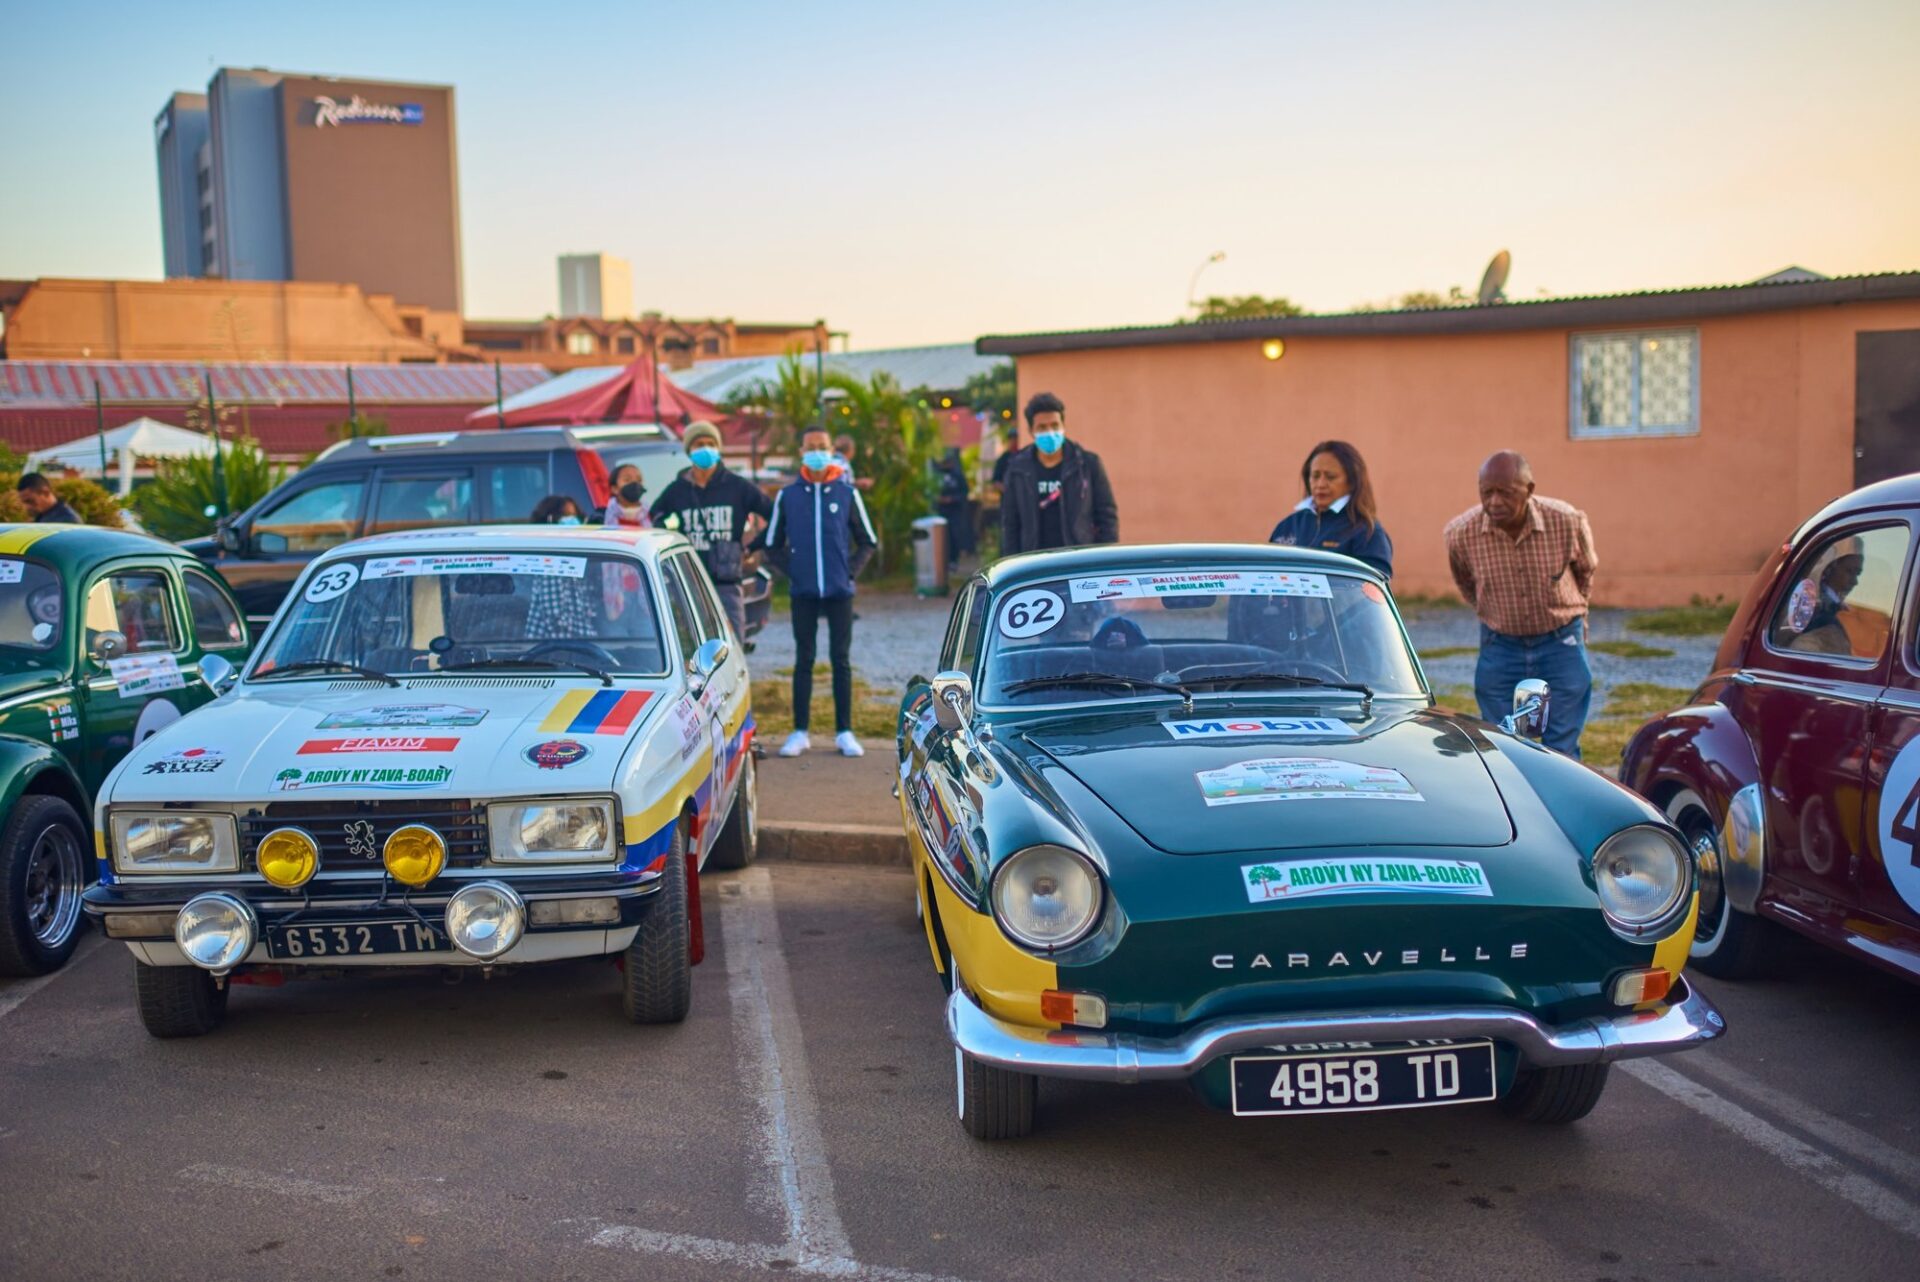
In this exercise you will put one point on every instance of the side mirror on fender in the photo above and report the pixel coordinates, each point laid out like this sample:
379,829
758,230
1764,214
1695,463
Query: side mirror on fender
1529,715
108,646
705,662
952,700
218,673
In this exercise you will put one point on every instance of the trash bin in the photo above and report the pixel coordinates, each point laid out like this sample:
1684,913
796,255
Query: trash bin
930,556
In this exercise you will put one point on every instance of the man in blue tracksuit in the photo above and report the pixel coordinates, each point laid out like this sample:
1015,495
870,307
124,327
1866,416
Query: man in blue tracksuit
820,538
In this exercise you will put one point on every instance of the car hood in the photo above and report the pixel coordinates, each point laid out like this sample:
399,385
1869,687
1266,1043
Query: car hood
354,740
1269,778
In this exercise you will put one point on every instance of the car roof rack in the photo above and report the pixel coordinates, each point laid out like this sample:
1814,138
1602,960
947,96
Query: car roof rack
484,441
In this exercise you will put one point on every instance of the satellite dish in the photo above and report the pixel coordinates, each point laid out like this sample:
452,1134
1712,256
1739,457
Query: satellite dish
1493,285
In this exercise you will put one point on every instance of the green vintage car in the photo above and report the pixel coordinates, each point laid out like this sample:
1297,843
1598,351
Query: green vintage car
105,637
1191,813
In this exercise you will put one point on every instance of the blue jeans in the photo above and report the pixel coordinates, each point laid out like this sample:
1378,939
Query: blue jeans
1559,658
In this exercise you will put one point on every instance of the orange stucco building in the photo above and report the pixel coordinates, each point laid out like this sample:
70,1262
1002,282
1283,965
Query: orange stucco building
1697,428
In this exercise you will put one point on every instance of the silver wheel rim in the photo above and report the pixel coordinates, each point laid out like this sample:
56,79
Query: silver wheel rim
1713,895
53,886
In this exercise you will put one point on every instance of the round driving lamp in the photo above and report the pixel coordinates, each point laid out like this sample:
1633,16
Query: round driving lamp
1641,877
1046,897
287,857
414,855
215,931
485,919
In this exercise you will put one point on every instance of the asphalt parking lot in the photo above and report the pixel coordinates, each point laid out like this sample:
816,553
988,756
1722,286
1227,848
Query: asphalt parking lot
801,1122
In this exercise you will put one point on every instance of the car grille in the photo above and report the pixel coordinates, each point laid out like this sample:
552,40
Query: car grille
352,834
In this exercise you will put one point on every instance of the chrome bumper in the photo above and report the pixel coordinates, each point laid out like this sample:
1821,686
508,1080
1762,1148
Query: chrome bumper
1691,1020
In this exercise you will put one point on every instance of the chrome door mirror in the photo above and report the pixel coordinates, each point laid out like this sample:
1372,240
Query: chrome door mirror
108,646
705,662
217,673
1529,715
952,700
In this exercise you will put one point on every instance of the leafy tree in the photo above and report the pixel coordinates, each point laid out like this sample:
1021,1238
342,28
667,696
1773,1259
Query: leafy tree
993,392
96,505
174,506
1244,306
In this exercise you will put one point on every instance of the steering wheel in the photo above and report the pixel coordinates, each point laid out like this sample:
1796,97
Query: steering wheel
579,645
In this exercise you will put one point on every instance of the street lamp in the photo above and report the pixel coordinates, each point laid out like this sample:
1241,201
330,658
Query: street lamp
1193,283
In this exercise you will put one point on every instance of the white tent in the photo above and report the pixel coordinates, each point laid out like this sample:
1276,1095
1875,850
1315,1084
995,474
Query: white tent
142,438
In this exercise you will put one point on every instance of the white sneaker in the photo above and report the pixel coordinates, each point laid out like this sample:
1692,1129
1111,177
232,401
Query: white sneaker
796,743
848,745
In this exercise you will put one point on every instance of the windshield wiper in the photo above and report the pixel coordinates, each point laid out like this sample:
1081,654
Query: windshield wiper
1274,678
327,665
520,661
1098,679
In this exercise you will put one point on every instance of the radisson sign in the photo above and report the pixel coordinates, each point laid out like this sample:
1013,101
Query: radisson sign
358,111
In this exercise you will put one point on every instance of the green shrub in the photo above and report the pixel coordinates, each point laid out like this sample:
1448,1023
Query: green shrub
175,505
96,505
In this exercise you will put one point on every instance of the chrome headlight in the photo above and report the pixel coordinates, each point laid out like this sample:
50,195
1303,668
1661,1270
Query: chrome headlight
1641,875
174,841
1046,897
542,832
215,931
485,918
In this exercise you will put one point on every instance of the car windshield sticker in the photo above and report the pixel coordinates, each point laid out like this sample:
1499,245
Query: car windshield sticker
398,715
332,582
1303,779
1263,728
186,761
1304,879
1900,824
596,712
379,743
557,754
1030,613
529,563
11,571
145,673
1223,582
376,778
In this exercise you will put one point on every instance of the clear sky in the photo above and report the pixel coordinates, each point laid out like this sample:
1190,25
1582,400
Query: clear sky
923,173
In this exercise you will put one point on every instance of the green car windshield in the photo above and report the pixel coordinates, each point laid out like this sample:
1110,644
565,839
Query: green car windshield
432,612
1206,630
31,615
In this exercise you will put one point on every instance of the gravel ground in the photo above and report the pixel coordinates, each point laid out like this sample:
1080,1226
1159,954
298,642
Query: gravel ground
895,637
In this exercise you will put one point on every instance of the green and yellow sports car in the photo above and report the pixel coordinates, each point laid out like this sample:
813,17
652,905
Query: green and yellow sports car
1190,812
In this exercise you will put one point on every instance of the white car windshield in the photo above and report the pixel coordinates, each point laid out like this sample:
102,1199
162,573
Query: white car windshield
445,612
1109,635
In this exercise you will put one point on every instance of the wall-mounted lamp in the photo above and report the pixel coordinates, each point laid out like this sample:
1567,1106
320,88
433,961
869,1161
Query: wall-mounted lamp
1273,349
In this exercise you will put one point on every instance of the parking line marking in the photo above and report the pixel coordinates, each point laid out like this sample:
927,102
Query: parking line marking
1844,1136
750,1255
240,1177
1822,1168
21,990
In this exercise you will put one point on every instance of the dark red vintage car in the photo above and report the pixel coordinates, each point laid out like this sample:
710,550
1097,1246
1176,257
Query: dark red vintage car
1795,771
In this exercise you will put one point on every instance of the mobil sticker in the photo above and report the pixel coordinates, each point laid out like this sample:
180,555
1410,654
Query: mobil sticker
1262,727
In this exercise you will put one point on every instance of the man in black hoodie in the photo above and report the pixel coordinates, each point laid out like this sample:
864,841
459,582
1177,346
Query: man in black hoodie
1055,494
710,505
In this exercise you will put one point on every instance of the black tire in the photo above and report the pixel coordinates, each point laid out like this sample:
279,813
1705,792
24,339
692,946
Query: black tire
658,964
1727,943
1555,1096
995,1103
179,1001
739,840
44,857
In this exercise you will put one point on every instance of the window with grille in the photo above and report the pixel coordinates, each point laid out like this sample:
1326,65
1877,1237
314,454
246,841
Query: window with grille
1639,384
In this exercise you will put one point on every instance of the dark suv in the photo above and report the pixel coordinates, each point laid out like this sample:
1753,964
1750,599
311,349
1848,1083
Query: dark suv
379,484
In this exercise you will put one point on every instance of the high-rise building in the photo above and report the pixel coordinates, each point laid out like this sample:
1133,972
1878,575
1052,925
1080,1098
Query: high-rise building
597,285
272,176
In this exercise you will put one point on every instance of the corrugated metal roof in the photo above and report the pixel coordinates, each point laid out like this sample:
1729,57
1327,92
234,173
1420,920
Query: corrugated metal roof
51,384
1547,313
945,367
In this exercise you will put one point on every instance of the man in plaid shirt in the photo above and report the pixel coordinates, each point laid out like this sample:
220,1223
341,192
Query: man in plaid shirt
1525,564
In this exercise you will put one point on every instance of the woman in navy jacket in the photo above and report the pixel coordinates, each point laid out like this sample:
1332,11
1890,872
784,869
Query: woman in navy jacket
1338,513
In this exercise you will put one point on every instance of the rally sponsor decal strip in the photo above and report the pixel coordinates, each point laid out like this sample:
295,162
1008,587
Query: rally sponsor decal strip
539,566
383,779
186,761
1262,727
1303,779
379,743
146,673
1222,582
1308,878
596,712
396,715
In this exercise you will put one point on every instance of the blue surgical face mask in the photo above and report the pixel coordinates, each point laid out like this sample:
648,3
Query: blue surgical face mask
817,460
568,520
704,456
1050,442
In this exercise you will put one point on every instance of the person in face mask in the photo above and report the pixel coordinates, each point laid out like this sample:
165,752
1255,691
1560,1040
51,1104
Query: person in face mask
556,509
714,508
820,537
1055,494
628,505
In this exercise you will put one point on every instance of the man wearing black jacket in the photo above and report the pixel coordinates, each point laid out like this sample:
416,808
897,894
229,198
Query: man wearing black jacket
711,505
1056,494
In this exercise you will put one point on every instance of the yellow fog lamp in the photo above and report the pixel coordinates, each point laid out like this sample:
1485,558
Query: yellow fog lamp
287,858
414,855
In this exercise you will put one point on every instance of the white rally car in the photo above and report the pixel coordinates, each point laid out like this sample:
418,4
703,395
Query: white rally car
480,747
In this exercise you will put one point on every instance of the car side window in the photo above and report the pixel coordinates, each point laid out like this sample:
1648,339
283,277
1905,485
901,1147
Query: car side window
215,624
707,616
956,623
416,501
1841,596
684,625
513,489
972,630
136,604
315,519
